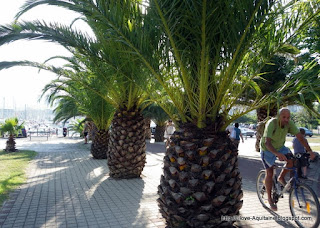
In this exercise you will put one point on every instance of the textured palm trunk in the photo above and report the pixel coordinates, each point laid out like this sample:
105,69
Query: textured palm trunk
92,130
201,180
127,146
99,146
148,128
159,133
262,114
11,144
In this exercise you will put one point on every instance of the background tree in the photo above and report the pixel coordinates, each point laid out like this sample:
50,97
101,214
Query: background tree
249,118
77,100
302,118
159,117
76,126
12,127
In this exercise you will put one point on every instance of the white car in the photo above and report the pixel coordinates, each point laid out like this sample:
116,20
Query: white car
247,132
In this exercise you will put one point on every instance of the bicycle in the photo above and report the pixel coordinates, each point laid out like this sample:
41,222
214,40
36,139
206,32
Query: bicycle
303,201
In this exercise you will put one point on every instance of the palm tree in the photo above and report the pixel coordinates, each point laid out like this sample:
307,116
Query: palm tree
76,126
211,52
111,62
77,100
159,116
12,127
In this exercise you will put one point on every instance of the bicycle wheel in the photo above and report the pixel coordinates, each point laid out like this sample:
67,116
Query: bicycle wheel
261,189
307,213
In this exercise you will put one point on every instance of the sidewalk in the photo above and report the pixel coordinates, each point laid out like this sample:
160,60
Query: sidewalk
68,188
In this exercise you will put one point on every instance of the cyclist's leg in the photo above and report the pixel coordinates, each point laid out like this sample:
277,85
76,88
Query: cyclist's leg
304,164
289,164
268,182
268,160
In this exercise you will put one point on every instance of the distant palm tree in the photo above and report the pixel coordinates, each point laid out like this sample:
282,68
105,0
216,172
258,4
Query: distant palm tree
76,126
12,127
76,100
159,117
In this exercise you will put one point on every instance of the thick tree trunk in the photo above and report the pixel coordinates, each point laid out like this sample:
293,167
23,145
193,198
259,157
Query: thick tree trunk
262,114
201,180
159,133
127,146
99,147
147,123
92,130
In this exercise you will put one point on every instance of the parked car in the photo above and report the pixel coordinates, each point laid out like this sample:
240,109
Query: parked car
247,132
22,133
308,132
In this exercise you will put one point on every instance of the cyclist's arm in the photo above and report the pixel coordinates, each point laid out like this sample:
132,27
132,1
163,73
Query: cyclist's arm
270,148
305,143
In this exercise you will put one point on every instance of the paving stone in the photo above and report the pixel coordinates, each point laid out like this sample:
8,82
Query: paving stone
67,188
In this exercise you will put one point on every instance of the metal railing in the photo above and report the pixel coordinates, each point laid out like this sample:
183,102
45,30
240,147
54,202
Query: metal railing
39,134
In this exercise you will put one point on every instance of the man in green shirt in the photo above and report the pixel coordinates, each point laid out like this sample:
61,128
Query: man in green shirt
272,146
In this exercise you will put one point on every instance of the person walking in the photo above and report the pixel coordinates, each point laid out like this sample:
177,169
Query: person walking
235,135
85,132
169,131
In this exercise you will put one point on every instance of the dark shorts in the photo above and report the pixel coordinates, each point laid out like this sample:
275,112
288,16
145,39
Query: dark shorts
85,134
236,142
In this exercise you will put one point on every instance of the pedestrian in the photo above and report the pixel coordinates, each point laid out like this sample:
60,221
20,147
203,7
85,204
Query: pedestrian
235,135
169,131
64,132
85,132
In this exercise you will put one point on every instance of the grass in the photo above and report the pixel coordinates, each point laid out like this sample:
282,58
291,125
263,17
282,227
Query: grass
12,171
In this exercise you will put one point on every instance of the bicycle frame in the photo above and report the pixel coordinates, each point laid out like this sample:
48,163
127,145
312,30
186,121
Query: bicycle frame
292,181
303,201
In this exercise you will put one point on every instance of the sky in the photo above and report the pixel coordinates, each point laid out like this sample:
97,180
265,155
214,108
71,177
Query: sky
21,87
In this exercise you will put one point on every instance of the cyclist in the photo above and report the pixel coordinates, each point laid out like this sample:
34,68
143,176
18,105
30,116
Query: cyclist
272,146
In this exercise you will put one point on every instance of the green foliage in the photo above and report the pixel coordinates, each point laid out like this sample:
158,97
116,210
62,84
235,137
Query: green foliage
157,114
79,93
202,56
12,171
303,118
217,49
77,126
247,118
11,126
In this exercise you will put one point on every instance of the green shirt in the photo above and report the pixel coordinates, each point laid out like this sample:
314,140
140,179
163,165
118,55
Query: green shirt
277,133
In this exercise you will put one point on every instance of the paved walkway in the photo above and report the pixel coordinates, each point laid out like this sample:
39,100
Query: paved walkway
66,187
